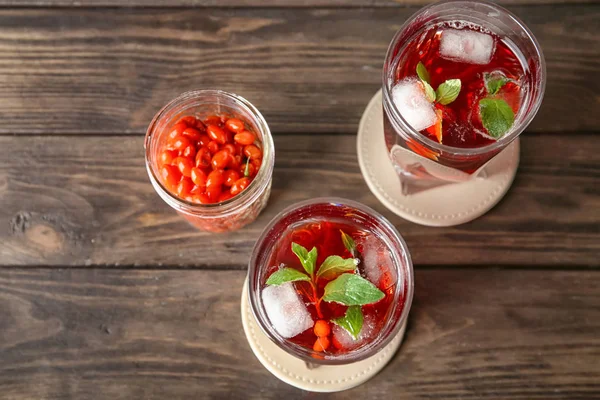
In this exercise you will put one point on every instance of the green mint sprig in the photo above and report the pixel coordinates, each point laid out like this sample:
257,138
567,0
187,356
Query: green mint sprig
497,117
352,321
493,83
352,290
348,243
286,275
423,73
446,92
335,265
308,259
345,286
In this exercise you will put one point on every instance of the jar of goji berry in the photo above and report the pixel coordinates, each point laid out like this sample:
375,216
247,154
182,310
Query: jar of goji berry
216,110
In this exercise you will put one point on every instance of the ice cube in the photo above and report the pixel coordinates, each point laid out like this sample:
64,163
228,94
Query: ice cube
466,46
377,263
286,310
410,99
342,339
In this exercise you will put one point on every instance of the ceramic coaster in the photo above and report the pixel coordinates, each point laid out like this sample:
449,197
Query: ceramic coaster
324,378
446,205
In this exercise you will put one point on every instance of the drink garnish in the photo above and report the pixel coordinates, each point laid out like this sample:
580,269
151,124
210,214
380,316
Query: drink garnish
423,75
445,94
307,259
422,72
345,287
286,274
493,84
349,243
352,321
436,129
496,116
352,290
335,265
422,150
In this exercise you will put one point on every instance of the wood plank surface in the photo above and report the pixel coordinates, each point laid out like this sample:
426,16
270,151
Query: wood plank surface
87,201
118,334
250,3
308,70
105,293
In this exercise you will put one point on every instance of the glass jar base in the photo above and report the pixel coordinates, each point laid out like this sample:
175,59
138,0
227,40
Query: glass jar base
311,377
449,204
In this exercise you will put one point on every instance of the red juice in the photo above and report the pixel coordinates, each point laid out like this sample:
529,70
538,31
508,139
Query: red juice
488,68
375,264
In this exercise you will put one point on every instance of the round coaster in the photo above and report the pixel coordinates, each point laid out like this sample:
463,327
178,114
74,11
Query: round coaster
321,378
446,205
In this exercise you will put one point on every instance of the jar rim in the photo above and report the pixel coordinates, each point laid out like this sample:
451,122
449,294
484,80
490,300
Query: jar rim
388,332
258,185
396,116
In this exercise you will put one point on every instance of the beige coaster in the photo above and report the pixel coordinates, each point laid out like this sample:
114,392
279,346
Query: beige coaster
295,371
447,205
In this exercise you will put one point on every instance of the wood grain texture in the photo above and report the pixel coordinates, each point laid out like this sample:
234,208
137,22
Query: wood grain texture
249,3
308,70
85,201
118,334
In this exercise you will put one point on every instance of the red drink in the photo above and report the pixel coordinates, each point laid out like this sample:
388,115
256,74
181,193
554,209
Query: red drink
461,123
374,264
461,80
330,281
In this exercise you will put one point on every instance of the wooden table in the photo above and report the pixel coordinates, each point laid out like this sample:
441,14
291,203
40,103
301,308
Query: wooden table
105,293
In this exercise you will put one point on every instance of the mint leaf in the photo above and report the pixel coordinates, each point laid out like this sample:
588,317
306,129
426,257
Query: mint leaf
335,265
307,259
495,83
429,92
352,290
286,275
422,72
424,77
448,91
496,116
352,321
349,243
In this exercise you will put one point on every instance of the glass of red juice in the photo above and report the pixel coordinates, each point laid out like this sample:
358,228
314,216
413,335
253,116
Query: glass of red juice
330,281
461,81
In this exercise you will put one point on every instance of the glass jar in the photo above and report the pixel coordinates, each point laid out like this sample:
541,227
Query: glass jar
238,211
499,21
346,211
